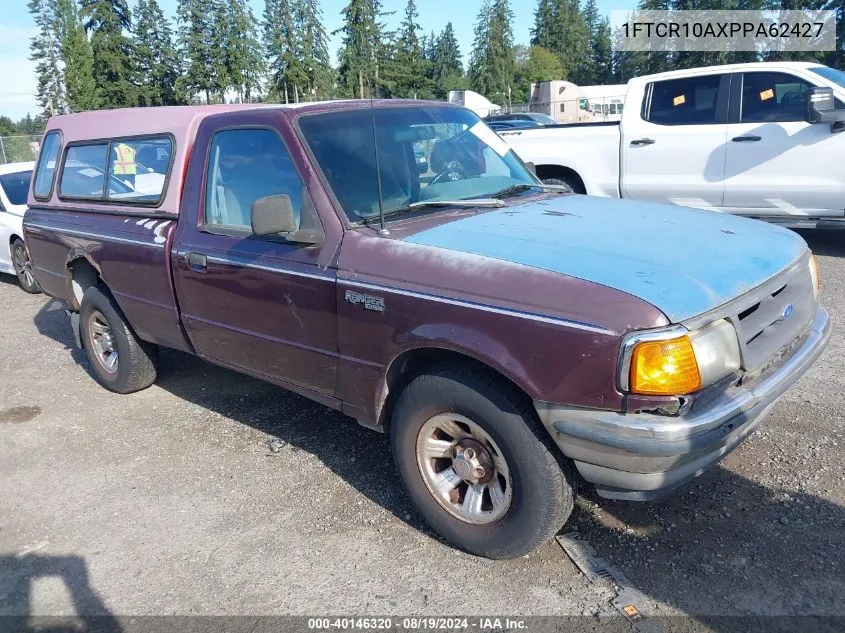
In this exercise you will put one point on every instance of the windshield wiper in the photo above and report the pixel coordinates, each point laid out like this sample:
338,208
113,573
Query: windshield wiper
465,202
509,191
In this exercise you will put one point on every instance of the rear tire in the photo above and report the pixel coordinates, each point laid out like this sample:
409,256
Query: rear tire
23,267
563,182
120,361
529,496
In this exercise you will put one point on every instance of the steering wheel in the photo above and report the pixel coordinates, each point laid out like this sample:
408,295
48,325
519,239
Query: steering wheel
454,171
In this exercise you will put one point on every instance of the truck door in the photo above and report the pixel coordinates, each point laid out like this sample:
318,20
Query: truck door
778,164
674,149
259,304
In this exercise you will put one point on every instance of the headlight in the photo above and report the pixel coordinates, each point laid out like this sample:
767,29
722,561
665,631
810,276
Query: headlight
675,362
814,275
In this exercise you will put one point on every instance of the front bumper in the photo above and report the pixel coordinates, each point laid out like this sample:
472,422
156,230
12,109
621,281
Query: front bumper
641,456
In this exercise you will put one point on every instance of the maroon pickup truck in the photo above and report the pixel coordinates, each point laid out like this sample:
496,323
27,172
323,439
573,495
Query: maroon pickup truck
396,260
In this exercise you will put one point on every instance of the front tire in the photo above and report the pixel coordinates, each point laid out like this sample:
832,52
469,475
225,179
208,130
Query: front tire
121,362
478,464
23,268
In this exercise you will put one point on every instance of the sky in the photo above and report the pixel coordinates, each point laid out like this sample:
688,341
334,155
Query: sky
17,78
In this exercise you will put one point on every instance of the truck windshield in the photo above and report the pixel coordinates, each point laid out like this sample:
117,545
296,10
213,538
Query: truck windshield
831,74
425,154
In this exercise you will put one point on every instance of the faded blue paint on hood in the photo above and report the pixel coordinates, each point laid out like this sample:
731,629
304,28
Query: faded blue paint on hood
682,261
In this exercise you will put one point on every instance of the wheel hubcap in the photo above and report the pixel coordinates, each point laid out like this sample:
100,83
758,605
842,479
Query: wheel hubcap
463,468
104,349
23,267
472,462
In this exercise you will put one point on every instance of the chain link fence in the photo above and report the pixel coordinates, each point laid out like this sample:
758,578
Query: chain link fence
18,149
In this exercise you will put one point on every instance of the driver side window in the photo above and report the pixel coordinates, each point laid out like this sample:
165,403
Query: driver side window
773,98
245,165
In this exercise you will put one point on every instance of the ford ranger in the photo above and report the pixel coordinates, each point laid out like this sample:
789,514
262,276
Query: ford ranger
511,339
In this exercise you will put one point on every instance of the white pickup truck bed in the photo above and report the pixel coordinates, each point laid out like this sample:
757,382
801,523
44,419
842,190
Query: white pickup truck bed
591,151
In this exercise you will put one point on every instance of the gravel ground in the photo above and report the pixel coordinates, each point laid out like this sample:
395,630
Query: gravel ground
215,494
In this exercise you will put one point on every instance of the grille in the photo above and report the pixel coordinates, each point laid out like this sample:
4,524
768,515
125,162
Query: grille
771,317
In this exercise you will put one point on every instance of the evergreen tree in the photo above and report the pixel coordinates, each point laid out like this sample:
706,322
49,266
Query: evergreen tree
195,27
314,47
492,63
592,20
602,54
46,53
575,52
107,20
78,58
647,63
543,34
218,52
156,58
447,71
242,51
429,45
406,72
360,49
559,26
836,59
279,39
30,125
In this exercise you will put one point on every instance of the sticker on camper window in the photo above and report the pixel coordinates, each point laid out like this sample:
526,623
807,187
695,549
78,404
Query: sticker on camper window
767,94
489,137
679,100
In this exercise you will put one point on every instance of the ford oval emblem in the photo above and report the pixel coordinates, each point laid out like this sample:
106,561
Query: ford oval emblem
787,312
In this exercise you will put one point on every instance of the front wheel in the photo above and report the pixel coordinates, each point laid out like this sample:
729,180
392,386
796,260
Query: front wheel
121,362
477,463
23,268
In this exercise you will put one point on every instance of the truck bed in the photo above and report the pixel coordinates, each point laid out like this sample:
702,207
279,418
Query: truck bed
123,250
588,149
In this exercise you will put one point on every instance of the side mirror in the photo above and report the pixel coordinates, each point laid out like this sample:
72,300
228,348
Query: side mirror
532,168
821,106
273,214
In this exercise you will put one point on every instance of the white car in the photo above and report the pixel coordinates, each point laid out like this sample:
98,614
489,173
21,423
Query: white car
762,140
14,259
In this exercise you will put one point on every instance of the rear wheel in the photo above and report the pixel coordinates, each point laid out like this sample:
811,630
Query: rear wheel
121,362
477,463
563,182
23,267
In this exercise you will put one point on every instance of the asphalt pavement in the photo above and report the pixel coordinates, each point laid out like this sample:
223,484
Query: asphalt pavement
212,493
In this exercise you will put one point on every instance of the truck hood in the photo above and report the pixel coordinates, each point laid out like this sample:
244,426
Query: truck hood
682,261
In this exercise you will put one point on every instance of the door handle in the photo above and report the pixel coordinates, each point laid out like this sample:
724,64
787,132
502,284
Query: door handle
642,141
197,262
746,139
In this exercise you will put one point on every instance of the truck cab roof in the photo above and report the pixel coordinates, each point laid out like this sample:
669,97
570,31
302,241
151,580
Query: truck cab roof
707,70
180,123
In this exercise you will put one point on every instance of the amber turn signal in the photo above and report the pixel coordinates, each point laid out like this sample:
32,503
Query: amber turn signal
664,367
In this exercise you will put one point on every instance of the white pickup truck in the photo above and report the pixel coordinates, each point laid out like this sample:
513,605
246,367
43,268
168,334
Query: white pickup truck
760,139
